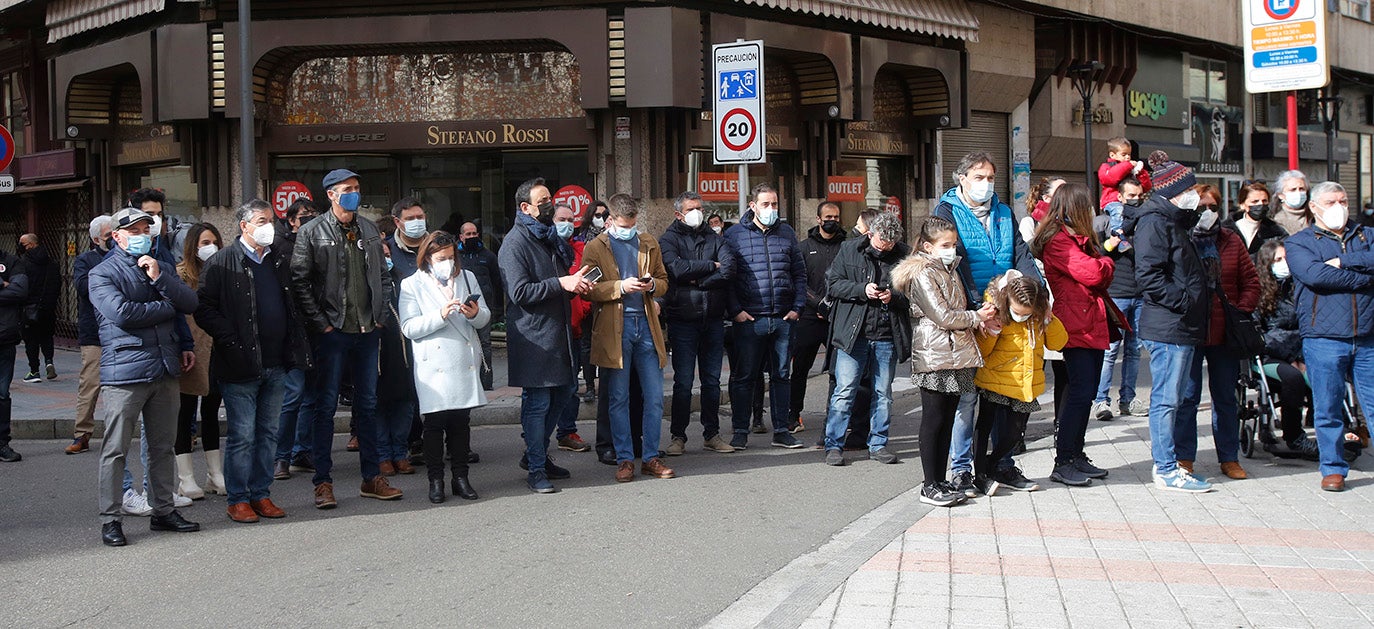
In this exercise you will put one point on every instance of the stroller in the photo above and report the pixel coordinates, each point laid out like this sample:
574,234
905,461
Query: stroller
1258,412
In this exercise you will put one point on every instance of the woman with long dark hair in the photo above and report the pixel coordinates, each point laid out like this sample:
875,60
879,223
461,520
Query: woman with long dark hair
1078,274
198,390
1283,362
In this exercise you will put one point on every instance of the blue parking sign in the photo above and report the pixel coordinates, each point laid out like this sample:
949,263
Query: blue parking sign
737,85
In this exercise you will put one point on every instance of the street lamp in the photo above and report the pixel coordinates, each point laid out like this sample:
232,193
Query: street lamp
1082,76
1330,108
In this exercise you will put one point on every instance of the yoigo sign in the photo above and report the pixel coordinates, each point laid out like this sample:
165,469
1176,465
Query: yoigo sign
1155,97
1146,105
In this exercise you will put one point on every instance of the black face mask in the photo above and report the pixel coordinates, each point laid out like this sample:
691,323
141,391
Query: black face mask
546,212
472,244
1134,202
1258,211
831,227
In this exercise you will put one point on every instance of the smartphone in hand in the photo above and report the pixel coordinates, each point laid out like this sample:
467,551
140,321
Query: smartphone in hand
592,275
472,299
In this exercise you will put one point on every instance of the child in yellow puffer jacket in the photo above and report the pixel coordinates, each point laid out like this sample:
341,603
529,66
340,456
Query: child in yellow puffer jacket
1013,373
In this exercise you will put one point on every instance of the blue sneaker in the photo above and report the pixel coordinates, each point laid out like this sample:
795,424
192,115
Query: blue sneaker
1181,480
539,483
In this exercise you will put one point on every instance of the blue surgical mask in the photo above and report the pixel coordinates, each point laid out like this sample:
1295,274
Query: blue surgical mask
980,191
623,233
768,216
414,228
389,264
1294,200
139,245
350,200
565,229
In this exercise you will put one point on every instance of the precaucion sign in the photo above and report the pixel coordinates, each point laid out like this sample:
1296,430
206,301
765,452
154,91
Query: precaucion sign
738,97
1285,45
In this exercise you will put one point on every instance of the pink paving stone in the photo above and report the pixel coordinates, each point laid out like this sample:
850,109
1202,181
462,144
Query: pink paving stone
1160,532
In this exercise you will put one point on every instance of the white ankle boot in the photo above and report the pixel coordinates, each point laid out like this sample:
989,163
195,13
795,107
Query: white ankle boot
186,478
214,478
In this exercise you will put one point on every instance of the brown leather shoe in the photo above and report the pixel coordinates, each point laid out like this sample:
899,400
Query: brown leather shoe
1233,470
281,470
386,468
324,496
266,509
1333,482
625,473
79,445
380,489
241,512
1186,465
655,467
403,466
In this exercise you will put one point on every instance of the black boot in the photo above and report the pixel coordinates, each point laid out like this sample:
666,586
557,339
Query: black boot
112,533
463,489
436,490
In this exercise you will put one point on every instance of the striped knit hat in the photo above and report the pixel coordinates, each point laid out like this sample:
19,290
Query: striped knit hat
1169,178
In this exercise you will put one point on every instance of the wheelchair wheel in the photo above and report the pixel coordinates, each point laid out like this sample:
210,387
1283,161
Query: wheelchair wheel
1248,414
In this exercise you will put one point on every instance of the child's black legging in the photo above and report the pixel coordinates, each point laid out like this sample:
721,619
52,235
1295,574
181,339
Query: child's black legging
1006,423
937,424
209,421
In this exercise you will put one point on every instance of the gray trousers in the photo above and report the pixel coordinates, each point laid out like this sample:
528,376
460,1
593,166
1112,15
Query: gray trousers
157,402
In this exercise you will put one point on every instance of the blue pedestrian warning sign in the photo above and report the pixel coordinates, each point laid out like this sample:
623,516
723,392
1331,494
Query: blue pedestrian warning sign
737,85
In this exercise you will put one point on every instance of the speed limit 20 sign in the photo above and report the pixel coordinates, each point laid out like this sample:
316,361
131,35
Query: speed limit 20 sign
737,69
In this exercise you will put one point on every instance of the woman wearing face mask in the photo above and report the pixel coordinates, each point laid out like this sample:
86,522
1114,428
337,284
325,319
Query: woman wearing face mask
440,312
1078,275
1038,205
1283,362
198,390
1291,210
1253,222
1232,275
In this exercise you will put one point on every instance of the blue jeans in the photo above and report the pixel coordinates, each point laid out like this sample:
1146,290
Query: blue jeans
961,437
637,353
1128,350
540,408
393,430
879,358
698,348
335,352
297,418
1170,370
253,410
753,340
1223,371
567,420
1330,362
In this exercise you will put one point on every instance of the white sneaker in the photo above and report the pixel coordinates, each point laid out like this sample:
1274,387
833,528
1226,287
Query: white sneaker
136,504
179,501
1102,411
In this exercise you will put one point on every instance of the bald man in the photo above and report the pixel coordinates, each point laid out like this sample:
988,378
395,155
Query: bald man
40,310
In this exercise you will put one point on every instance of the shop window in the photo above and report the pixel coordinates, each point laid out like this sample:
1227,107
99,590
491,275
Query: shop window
422,87
12,109
1358,9
173,180
718,185
1366,183
862,183
1207,80
377,174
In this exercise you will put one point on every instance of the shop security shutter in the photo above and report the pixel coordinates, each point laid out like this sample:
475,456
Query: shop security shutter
988,131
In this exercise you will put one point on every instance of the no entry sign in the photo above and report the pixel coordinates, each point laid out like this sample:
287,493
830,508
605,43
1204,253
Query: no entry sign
6,147
286,194
737,71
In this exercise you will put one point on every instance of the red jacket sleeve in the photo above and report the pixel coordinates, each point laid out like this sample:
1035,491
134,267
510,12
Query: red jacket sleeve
1110,175
1093,272
1144,178
580,306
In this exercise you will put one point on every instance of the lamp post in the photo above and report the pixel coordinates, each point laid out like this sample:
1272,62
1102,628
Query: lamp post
1082,76
247,151
1330,107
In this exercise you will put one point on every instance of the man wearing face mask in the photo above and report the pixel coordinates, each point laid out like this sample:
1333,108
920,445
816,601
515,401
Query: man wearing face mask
136,299
343,293
700,270
715,223
409,218
818,249
246,307
154,203
88,334
483,265
765,302
1333,264
1290,201
1126,294
534,265
1174,313
989,245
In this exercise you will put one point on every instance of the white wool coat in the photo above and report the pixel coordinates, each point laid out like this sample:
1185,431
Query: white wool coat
448,354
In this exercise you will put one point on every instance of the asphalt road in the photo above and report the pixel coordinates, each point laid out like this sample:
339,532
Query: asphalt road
668,552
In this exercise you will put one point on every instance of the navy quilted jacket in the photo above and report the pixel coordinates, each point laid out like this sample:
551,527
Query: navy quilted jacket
769,270
137,318
1332,302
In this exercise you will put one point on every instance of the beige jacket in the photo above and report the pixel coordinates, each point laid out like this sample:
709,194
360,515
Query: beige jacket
942,328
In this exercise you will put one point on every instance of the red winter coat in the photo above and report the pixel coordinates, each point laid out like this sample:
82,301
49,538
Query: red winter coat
1110,174
1079,281
580,306
1238,278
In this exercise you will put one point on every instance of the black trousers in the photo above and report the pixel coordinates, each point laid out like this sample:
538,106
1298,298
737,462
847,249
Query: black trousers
1294,399
603,420
209,421
1007,424
937,426
807,339
451,429
38,336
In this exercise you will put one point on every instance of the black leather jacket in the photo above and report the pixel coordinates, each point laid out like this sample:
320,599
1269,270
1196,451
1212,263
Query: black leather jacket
319,272
232,320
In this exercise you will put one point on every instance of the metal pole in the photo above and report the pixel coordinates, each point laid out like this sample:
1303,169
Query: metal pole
743,188
247,149
1088,137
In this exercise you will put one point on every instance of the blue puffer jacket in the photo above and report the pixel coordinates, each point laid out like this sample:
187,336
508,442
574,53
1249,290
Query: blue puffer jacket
985,252
769,270
138,338
1332,302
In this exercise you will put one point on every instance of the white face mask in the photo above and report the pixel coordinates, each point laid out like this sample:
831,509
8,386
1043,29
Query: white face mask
767,215
598,222
1280,269
1334,216
715,228
264,234
442,270
980,191
1294,200
157,226
1020,318
205,252
946,256
1188,200
693,218
564,229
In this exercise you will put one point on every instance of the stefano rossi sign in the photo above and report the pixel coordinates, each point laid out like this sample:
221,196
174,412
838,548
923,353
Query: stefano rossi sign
429,135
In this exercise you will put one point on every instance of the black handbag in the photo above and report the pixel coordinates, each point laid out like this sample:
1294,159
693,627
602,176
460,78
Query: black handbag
1243,334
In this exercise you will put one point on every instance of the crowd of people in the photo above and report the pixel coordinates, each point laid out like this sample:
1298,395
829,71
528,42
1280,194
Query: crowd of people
275,320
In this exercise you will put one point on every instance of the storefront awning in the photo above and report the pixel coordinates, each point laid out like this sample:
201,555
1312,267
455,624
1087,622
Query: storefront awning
69,17
44,187
5,4
946,18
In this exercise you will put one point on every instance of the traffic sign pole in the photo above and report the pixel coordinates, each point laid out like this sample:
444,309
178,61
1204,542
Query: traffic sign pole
743,188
